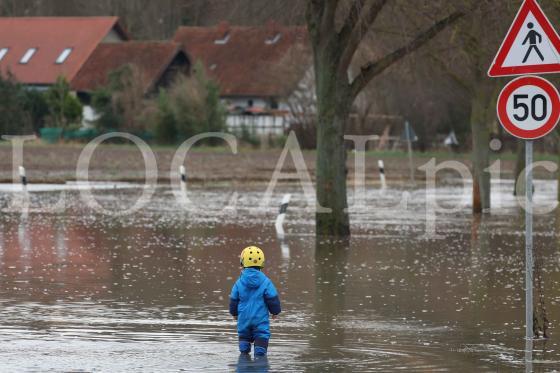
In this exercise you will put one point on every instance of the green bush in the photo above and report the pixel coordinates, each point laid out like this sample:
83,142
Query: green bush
101,101
35,104
215,111
65,109
121,103
189,107
249,137
278,141
14,118
24,110
187,103
165,130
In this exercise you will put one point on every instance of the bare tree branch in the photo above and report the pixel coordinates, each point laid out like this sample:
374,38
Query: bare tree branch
465,84
327,24
372,69
352,40
352,19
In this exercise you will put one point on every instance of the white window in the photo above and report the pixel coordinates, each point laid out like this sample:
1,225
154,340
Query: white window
27,56
3,53
63,56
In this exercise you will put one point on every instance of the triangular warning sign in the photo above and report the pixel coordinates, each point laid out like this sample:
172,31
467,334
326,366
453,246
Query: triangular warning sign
531,46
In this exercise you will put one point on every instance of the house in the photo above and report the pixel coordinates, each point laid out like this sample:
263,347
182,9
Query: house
84,50
259,69
158,63
37,50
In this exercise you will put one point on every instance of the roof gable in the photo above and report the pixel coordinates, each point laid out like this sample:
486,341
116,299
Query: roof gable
266,61
51,36
152,58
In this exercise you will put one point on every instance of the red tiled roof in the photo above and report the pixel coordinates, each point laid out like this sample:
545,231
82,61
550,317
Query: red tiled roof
246,65
51,35
152,58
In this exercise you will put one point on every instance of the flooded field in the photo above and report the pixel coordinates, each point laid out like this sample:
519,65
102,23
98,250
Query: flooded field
82,291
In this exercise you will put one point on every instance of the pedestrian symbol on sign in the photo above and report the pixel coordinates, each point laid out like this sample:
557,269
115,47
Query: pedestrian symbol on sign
531,46
532,37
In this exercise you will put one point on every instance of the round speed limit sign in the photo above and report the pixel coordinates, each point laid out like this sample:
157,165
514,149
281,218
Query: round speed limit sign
529,107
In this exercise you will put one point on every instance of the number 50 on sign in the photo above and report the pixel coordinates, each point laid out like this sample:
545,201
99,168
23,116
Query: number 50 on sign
529,107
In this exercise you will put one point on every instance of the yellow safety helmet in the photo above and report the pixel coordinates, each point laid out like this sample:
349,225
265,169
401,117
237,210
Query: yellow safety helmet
251,256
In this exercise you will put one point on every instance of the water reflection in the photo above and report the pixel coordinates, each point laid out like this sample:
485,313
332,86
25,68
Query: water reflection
2,243
327,335
24,240
60,242
529,356
247,364
285,250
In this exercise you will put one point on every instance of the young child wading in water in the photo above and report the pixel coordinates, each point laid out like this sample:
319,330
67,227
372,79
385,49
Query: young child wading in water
252,299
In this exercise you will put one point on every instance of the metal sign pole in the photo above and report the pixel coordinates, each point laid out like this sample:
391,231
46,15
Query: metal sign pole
409,142
513,47
528,241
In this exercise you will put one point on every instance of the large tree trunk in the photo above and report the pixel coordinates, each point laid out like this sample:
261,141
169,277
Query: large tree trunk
333,112
333,52
481,153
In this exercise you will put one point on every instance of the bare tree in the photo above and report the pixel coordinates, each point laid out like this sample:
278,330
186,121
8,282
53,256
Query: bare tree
334,49
302,106
472,45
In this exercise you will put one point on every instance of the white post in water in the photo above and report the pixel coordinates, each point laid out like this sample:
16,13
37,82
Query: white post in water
282,215
23,178
183,173
528,240
382,174
285,250
24,196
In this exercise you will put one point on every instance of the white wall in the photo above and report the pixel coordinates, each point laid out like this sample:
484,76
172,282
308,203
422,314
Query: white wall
258,124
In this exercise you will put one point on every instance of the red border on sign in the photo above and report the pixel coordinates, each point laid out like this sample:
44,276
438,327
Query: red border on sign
498,69
546,128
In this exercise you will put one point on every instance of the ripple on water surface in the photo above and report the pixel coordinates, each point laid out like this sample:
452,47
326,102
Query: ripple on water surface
149,292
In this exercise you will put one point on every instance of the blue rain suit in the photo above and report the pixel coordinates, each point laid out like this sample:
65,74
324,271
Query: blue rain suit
252,299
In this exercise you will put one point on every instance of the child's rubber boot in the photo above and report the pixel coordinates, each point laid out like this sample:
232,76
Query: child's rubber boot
244,347
261,346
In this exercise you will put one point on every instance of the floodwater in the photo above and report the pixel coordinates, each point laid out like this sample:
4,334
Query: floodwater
85,292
